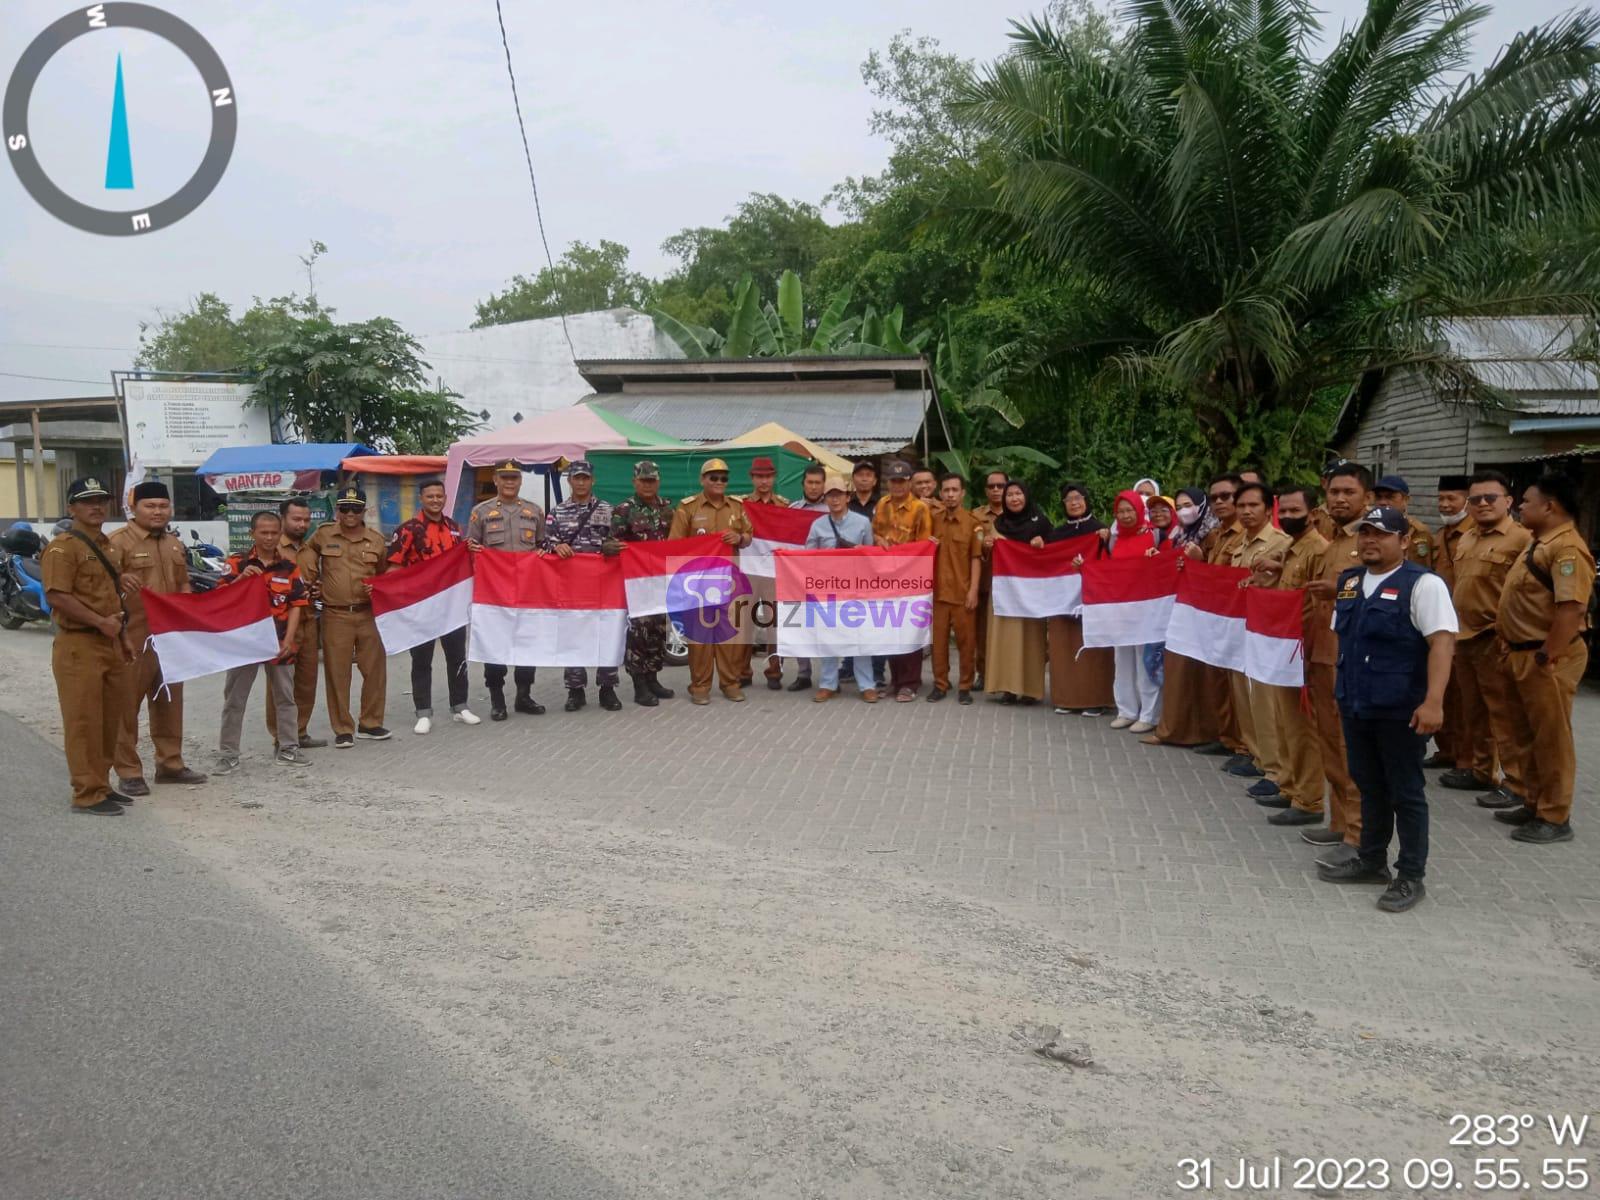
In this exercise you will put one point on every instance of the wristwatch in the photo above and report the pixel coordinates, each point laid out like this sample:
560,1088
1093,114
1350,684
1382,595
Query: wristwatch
1540,657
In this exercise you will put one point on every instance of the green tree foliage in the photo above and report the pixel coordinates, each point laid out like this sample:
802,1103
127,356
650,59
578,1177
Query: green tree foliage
757,330
584,279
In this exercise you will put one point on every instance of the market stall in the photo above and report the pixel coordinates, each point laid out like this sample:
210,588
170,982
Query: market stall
252,479
391,482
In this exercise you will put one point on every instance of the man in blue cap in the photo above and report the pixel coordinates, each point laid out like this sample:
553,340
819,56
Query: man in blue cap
1397,633
1392,491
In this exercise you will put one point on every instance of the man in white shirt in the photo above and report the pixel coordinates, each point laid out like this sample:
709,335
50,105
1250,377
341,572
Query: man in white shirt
838,528
812,484
1397,633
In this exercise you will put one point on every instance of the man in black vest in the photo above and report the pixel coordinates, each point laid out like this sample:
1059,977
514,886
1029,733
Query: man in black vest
1397,633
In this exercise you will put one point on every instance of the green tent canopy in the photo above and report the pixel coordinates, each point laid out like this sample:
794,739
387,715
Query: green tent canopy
637,434
680,469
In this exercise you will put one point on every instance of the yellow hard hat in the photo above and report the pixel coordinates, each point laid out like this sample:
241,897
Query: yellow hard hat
712,464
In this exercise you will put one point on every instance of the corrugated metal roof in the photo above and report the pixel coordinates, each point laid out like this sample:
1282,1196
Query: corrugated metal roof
852,417
1522,356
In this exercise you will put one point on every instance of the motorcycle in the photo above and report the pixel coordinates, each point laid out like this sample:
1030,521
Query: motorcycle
22,598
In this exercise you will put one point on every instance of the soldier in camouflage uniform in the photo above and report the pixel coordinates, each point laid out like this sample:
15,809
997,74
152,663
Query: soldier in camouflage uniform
645,518
582,525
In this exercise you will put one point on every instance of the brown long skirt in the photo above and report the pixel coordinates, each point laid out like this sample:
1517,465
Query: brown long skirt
1188,708
1078,680
1015,661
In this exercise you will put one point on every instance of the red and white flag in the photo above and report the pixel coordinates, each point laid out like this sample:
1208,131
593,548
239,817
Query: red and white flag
415,604
1273,652
201,633
864,600
530,610
1128,601
773,528
1208,615
649,568
1042,582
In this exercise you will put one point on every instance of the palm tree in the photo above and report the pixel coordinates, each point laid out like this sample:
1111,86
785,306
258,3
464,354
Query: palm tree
1251,226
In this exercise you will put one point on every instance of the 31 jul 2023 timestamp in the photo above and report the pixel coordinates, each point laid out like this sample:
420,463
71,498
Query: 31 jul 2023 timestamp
1493,1154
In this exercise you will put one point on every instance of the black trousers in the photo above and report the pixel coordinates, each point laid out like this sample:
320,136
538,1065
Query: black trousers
455,662
1385,758
494,678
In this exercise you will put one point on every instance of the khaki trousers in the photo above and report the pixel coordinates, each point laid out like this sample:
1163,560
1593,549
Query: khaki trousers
1300,775
1486,703
90,685
308,639
728,659
166,719
1219,694
1254,720
954,618
352,639
1541,727
1454,732
1344,800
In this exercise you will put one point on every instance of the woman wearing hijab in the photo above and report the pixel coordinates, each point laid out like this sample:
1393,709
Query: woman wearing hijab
1136,683
1187,716
1014,663
1080,680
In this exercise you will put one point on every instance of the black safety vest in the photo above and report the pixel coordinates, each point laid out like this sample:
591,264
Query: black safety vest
1383,658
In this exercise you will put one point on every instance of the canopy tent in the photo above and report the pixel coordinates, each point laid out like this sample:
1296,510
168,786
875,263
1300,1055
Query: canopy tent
565,433
299,456
396,464
680,469
774,434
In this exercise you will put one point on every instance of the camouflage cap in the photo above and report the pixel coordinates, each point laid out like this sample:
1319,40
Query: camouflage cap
579,466
646,469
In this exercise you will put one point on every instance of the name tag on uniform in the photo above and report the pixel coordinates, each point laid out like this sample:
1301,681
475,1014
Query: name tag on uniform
1348,592
1388,593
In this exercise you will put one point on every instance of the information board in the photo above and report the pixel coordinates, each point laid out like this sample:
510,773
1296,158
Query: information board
172,424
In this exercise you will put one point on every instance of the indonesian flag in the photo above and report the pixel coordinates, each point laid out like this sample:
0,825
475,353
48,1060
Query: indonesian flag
1128,601
1272,648
773,528
1208,616
1031,582
426,600
530,610
655,573
864,600
201,633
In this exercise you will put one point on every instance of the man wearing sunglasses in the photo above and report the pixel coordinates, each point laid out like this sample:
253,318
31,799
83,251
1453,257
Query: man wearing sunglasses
712,510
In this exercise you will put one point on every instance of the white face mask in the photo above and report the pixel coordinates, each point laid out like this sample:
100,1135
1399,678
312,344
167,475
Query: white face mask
1188,516
1453,518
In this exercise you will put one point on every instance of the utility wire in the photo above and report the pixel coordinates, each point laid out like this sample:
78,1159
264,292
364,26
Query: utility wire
50,378
527,155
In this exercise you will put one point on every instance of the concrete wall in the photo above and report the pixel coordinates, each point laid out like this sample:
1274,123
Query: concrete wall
8,489
527,367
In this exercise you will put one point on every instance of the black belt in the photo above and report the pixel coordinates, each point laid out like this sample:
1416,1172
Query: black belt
345,608
1538,645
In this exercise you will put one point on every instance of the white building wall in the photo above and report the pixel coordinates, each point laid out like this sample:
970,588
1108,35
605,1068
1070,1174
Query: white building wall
527,367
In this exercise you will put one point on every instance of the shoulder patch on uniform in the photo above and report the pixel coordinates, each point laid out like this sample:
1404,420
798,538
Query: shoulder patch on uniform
1568,566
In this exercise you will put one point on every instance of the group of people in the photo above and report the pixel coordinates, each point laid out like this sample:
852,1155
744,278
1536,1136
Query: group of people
1472,634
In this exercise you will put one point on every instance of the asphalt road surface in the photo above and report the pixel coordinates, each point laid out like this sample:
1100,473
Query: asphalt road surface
161,1037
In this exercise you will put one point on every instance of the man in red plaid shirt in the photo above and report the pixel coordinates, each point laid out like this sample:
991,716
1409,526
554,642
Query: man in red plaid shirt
427,534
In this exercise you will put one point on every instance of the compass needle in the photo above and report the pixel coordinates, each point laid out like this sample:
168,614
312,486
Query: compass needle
119,155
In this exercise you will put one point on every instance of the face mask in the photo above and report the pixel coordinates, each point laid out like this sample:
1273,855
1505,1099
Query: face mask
1188,516
1294,526
1453,518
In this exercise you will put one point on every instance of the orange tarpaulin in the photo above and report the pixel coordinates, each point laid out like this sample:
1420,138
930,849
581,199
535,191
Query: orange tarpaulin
396,464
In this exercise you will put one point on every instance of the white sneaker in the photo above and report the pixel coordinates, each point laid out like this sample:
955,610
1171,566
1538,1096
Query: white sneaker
1140,727
1122,722
423,725
466,717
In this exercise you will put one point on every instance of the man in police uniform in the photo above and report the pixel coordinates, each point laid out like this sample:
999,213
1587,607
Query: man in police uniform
712,510
1392,491
296,515
507,522
338,562
1453,524
582,525
92,654
645,517
1543,610
1397,632
150,559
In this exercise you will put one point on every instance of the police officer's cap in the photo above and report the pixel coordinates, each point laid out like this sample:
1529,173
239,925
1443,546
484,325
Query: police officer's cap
579,466
897,469
1393,483
1384,519
87,488
712,464
646,469
350,497
509,467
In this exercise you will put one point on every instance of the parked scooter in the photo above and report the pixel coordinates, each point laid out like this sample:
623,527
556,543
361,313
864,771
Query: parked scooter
22,598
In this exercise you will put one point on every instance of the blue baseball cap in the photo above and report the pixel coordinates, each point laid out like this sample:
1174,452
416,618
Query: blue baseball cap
1384,519
1393,483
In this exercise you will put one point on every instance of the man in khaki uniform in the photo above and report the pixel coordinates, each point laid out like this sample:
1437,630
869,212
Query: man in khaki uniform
295,513
712,510
1453,524
1543,610
508,522
1252,704
1483,558
1218,549
150,559
92,654
1392,491
994,490
763,476
338,561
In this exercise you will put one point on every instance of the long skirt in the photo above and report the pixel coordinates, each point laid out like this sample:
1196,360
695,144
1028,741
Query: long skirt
1078,680
1015,660
1188,716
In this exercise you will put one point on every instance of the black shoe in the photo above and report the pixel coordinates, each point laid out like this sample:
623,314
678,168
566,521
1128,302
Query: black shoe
1543,833
746,680
312,743
525,703
1338,856
1321,837
1520,815
653,680
609,701
106,808
575,699
119,798
1357,870
1262,789
774,685
642,695
1004,698
1295,816
1501,797
801,684
133,787
344,741
1212,749
1462,781
1248,770
1402,894
181,775
497,705
879,682
937,695
1276,800
963,697
1236,760
377,733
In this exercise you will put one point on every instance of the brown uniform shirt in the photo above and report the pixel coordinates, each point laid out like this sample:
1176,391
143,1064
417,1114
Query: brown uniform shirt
157,560
1220,544
1420,549
1483,560
1268,540
900,521
701,514
1340,556
338,564
1322,521
516,526
960,554
67,565
1303,561
1446,546
1527,607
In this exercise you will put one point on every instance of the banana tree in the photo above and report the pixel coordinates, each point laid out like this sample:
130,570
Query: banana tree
976,410
768,331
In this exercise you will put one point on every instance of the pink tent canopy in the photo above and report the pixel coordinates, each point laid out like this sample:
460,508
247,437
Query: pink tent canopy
563,433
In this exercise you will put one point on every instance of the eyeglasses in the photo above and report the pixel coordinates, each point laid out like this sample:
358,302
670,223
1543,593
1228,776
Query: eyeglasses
1487,499
1221,496
351,508
993,487
718,477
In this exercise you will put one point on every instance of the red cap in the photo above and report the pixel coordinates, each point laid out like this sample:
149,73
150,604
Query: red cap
763,466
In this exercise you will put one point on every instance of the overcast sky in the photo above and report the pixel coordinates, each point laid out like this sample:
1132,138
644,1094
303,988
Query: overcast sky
386,130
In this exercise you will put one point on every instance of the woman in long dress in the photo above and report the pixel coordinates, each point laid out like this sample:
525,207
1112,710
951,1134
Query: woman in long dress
1080,680
1188,717
1014,662
1135,684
